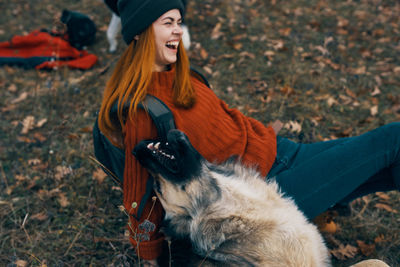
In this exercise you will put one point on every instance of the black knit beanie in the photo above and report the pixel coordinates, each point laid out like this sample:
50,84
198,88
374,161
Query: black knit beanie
137,15
112,4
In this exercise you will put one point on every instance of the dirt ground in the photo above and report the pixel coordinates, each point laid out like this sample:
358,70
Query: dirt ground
325,69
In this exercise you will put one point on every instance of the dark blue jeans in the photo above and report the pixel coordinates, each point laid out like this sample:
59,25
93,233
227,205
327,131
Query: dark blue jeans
319,175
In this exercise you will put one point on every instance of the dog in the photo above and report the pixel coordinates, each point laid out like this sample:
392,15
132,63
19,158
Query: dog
229,214
114,27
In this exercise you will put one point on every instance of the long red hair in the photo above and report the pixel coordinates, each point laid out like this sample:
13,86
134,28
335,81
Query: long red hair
131,78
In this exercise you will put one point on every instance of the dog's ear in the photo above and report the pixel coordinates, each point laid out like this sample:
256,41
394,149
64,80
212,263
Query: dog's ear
184,146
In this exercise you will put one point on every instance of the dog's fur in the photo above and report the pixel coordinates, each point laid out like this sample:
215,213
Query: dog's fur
231,216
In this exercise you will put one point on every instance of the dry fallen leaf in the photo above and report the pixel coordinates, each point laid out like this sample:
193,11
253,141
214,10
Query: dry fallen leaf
321,49
12,88
247,54
20,98
239,37
350,93
21,263
376,91
207,69
87,129
203,53
359,70
63,200
374,110
269,53
42,216
380,238
25,139
62,171
385,207
19,177
43,263
73,136
8,108
366,249
74,81
344,252
285,31
382,195
331,101
40,137
41,123
278,44
28,124
287,90
99,175
33,162
216,33
342,22
237,46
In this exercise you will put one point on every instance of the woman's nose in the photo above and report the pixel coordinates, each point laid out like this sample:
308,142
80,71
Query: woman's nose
178,29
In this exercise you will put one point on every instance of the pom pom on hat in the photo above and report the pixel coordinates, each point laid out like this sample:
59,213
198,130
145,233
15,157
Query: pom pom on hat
137,15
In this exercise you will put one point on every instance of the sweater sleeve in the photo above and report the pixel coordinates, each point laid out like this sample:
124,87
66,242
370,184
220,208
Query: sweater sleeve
144,231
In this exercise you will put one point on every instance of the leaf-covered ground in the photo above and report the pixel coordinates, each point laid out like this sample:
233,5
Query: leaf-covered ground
326,69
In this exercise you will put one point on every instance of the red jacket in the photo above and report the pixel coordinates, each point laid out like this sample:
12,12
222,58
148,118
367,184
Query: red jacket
42,50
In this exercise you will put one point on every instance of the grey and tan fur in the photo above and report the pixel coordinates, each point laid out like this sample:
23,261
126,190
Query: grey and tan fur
231,216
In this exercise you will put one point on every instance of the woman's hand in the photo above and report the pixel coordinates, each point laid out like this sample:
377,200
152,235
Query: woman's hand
277,126
149,263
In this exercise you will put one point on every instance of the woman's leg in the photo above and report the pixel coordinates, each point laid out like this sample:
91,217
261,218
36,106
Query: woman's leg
319,175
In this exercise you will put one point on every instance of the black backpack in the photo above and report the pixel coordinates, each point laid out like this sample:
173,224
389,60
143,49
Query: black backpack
80,28
112,158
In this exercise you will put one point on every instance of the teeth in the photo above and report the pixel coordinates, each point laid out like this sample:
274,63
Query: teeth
155,148
173,44
157,145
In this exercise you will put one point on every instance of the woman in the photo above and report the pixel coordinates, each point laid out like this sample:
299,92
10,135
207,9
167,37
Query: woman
316,175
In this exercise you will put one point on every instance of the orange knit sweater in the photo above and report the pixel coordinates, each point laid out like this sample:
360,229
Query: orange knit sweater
214,129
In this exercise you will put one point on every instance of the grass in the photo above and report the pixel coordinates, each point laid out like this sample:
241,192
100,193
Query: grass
330,67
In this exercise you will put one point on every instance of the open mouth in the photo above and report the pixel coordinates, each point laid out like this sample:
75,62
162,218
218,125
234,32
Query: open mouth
172,45
164,156
175,158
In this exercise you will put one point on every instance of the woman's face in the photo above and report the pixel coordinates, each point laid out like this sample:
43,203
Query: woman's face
168,34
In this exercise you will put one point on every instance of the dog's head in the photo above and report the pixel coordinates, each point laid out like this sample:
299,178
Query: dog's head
176,166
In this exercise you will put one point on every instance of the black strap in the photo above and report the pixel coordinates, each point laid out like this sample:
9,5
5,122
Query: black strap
158,111
164,121
160,114
199,76
143,201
